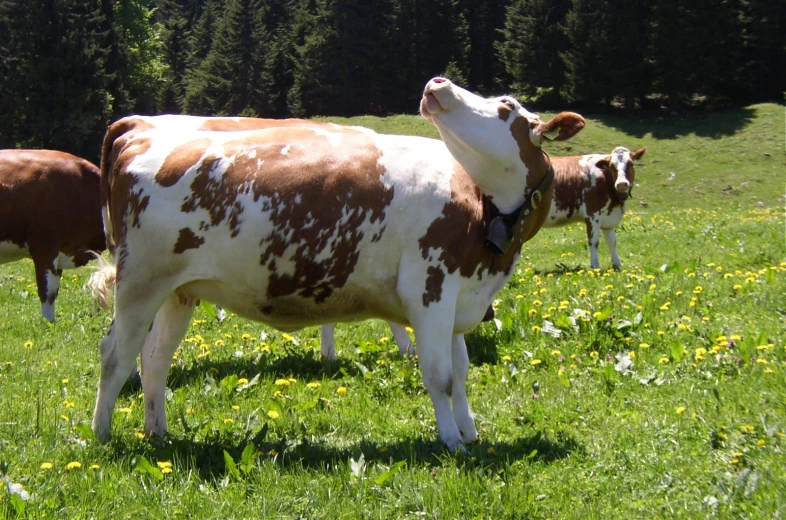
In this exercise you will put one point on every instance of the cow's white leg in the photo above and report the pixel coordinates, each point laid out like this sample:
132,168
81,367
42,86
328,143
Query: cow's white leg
593,239
461,411
327,347
402,338
611,240
433,331
169,327
52,288
119,349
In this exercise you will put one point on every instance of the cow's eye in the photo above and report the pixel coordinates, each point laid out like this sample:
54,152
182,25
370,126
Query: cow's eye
508,103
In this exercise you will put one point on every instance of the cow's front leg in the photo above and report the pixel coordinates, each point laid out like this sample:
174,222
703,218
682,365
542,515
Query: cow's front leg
47,278
327,341
403,341
593,239
433,332
611,240
461,411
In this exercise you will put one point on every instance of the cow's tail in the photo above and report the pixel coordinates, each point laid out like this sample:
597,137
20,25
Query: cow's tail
102,283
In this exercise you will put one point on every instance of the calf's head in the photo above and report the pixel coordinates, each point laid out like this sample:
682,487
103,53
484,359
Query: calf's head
496,140
620,164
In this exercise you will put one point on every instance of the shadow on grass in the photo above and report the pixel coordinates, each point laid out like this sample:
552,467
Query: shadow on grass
715,124
207,457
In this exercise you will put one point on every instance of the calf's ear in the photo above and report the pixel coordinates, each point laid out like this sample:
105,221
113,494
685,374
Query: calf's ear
638,153
561,127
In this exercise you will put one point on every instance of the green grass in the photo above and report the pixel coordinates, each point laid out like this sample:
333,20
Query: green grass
695,428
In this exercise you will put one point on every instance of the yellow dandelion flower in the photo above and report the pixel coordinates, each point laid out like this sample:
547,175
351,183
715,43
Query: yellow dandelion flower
341,390
594,354
519,296
273,414
64,381
288,338
314,384
28,344
282,382
680,409
533,312
139,435
166,470
47,465
506,358
535,329
219,343
665,306
246,336
761,361
228,420
583,292
164,464
747,428
555,353
235,407
734,461
292,380
760,443
664,360
242,381
644,345
537,303
278,393
73,465
535,362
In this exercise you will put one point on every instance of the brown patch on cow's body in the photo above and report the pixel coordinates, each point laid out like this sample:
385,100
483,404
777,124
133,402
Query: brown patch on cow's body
570,184
179,160
434,279
187,239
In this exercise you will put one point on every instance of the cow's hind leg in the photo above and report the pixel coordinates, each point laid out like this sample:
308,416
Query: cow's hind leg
593,238
611,240
134,312
461,411
169,327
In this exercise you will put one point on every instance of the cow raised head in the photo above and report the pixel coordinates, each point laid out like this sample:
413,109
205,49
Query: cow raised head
620,166
496,140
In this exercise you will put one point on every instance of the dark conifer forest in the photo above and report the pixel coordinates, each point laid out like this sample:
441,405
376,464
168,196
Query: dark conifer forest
70,67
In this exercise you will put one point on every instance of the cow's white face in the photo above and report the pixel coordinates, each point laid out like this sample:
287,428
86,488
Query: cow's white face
621,163
496,140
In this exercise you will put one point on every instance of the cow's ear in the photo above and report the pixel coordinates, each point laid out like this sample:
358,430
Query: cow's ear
638,153
561,127
604,163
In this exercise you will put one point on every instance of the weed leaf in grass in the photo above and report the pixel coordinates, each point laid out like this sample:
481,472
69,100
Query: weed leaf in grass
247,457
385,476
144,467
85,431
231,466
209,309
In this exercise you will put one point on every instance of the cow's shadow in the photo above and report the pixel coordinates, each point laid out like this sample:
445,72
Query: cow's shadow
208,459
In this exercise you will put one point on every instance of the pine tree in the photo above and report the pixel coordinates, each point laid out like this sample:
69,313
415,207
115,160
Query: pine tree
533,39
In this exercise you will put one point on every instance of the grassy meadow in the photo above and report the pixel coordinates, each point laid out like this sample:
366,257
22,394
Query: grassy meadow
656,391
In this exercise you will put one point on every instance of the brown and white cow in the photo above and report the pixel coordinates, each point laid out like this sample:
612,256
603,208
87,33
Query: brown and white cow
296,226
593,189
50,212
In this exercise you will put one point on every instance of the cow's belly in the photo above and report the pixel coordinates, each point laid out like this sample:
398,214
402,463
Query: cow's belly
10,252
560,217
610,219
293,312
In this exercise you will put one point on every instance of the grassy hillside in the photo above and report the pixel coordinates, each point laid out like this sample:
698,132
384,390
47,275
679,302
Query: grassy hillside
656,391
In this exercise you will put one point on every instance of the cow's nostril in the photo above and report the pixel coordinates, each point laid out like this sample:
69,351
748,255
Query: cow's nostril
439,80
